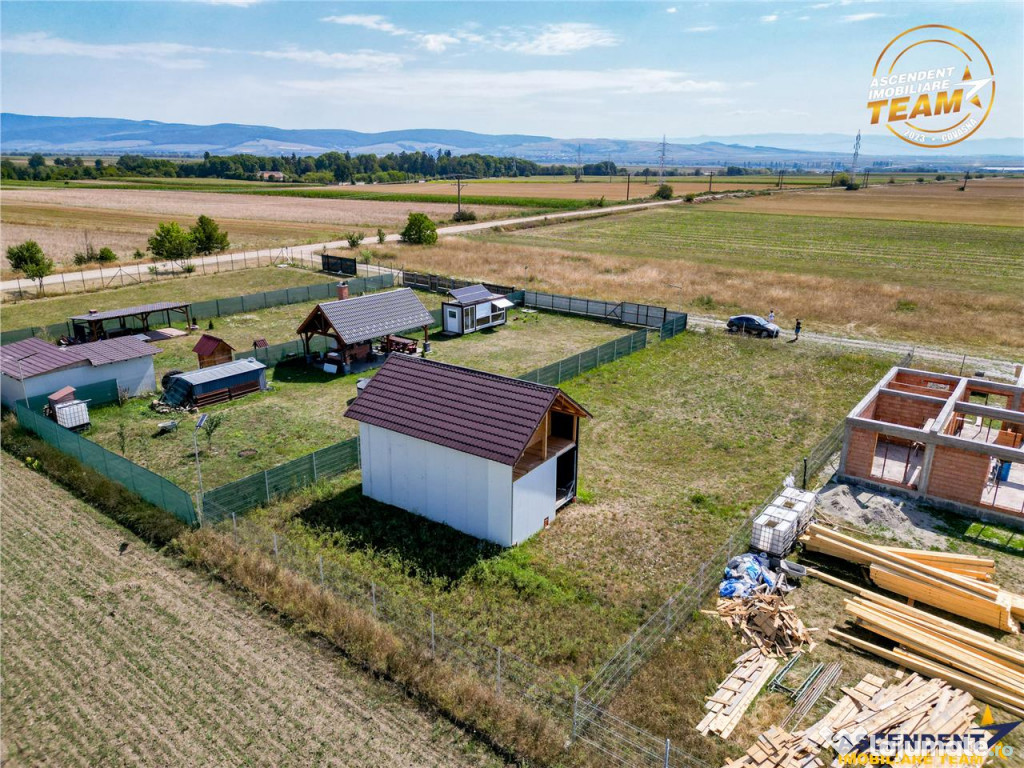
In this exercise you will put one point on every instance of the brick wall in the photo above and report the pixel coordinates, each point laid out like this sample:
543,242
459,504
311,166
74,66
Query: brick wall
958,475
894,409
860,453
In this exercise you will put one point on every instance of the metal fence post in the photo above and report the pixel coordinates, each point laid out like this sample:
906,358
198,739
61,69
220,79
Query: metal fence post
575,709
234,526
373,597
668,615
266,484
314,466
498,671
668,751
320,560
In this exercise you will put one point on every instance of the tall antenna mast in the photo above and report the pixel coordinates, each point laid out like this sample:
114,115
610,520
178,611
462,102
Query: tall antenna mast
661,160
856,154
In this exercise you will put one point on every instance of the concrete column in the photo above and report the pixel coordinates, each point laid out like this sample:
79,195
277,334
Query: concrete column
926,468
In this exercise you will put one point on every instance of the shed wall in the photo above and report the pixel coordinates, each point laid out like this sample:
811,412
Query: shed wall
533,499
469,493
136,376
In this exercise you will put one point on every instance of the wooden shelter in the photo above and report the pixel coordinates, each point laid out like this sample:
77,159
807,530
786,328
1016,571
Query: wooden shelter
353,324
112,323
212,351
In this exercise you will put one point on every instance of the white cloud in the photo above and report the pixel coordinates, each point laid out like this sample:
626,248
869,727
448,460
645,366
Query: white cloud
166,55
474,87
862,16
437,43
671,10
770,18
362,60
367,21
705,28
559,39
233,3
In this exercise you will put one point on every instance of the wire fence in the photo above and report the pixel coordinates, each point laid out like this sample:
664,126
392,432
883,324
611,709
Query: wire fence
155,489
570,367
646,315
510,675
261,488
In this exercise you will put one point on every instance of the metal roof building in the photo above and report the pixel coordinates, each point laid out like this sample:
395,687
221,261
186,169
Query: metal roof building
216,384
492,456
33,367
353,323
473,308
94,325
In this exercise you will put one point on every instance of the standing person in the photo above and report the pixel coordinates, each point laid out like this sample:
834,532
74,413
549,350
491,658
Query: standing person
796,330
771,315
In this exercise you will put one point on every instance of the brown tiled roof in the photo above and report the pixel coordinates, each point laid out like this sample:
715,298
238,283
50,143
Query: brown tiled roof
374,315
479,413
208,344
34,357
142,309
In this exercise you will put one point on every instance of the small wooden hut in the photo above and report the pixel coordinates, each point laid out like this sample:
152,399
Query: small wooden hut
212,351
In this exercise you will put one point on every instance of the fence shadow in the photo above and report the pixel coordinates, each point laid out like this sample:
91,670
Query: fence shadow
427,550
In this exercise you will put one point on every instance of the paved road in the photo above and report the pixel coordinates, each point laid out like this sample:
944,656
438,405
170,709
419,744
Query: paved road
306,252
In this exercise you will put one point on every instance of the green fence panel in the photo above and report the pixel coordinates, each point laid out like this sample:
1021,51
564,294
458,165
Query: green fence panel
284,479
155,489
235,497
254,301
204,309
98,393
16,334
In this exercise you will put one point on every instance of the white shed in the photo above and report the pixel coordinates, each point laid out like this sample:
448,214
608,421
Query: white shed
34,367
473,308
491,456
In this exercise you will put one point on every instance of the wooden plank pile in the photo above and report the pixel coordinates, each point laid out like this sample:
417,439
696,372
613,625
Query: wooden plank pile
912,706
737,692
777,749
765,622
819,735
926,577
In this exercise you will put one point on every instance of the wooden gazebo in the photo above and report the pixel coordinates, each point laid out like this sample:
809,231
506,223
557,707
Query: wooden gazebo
93,325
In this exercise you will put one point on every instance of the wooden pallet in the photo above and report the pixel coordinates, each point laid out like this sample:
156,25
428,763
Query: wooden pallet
765,622
737,692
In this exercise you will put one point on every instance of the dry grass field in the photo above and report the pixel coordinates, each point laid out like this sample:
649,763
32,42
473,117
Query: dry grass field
123,219
985,201
844,276
131,660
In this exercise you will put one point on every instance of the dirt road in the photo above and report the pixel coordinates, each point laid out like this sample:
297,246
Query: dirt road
130,660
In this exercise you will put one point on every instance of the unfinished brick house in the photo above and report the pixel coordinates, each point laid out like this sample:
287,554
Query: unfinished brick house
952,441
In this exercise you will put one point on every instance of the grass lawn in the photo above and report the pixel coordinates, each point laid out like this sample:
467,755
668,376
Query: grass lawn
687,436
45,311
304,409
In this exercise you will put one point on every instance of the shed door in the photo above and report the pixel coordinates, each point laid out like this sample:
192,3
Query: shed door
451,320
469,319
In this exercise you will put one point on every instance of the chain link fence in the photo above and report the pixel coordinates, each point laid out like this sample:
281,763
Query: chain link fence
627,312
155,489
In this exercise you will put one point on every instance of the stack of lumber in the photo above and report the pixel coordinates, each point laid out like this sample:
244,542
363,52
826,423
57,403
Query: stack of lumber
972,566
777,749
819,735
765,622
737,692
913,706
948,590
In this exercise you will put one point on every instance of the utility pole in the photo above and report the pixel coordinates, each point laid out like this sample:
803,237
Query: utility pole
853,163
579,163
458,188
628,175
832,180
661,161
711,175
867,175
781,174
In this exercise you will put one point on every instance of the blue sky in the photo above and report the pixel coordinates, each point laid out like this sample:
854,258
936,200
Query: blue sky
635,69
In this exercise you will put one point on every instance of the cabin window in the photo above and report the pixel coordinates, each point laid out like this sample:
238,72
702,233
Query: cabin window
453,314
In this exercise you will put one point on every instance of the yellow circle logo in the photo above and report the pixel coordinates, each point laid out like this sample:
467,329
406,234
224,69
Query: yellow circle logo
932,86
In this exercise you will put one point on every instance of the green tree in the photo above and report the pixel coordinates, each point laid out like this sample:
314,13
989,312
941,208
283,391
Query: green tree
106,255
420,230
29,259
207,236
36,161
172,243
354,239
212,424
663,192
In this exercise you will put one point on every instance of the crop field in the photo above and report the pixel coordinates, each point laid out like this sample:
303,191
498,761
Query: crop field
60,219
116,659
985,201
873,279
304,409
686,437
47,311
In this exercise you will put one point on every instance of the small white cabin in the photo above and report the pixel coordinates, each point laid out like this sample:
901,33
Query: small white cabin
473,308
490,456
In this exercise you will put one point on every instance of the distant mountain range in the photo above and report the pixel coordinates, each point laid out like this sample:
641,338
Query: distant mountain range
112,136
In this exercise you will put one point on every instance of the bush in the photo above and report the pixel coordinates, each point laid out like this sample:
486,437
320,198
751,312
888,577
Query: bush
841,180
852,186
106,255
354,239
464,216
663,192
382,236
690,197
188,268
941,177
920,179
80,260
904,305
420,230
138,255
